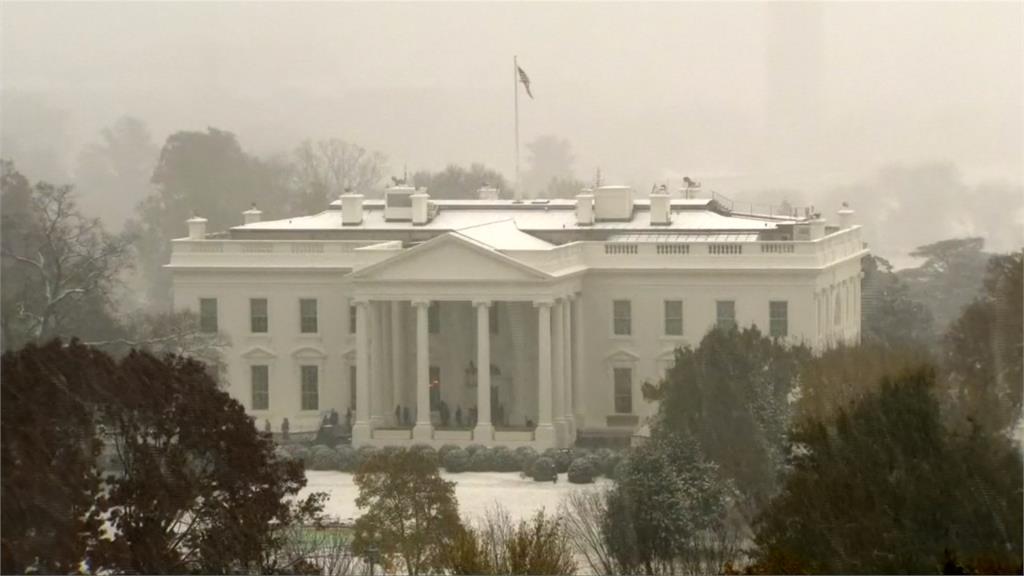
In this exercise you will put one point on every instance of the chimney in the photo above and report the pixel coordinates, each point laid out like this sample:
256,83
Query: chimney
613,203
252,215
196,227
585,208
420,207
487,192
845,216
351,209
661,209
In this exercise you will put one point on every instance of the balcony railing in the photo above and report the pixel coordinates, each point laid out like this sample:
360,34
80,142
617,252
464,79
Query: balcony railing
342,254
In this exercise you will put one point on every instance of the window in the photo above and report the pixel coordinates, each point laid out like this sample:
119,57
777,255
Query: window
208,314
434,318
351,319
622,318
435,387
778,318
307,316
310,388
623,390
493,317
352,386
260,388
258,314
673,317
726,314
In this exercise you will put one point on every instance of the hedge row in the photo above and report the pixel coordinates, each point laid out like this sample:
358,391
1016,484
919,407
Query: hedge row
582,466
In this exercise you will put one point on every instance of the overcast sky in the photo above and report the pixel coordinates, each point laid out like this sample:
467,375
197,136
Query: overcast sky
741,95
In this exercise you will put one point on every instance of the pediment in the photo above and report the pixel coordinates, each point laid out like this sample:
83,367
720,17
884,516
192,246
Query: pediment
258,353
622,355
451,257
309,352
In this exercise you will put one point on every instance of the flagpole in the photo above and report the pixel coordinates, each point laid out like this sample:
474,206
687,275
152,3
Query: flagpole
515,88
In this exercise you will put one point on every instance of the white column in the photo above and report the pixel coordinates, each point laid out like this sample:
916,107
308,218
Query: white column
484,431
397,375
545,432
567,363
361,431
579,409
423,429
377,399
558,372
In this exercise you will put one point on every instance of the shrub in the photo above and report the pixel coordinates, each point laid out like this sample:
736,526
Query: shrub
347,458
526,456
300,453
474,448
427,451
363,453
319,449
445,450
620,470
504,460
324,460
543,470
280,453
561,458
456,461
582,471
607,461
482,460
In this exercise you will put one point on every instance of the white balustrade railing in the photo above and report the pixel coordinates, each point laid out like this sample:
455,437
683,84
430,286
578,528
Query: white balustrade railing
595,254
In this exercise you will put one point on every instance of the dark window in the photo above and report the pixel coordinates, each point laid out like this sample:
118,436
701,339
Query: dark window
351,319
778,318
310,388
352,386
208,314
493,317
624,390
725,311
674,317
435,387
258,315
260,388
307,316
622,317
434,318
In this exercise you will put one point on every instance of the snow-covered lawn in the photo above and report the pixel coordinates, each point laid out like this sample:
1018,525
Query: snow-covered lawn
476,491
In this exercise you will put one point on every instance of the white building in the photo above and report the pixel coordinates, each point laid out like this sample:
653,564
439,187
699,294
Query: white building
572,304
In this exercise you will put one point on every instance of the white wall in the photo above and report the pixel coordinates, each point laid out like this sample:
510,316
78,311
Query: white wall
514,348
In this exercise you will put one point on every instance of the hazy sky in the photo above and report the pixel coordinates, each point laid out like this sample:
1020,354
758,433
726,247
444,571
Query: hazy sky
741,95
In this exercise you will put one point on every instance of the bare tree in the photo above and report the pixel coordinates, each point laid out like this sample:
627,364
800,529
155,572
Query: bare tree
63,264
324,169
583,512
176,333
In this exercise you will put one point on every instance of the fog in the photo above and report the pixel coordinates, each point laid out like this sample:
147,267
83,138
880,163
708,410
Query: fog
911,112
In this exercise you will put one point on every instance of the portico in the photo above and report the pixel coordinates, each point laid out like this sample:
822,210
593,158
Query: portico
443,277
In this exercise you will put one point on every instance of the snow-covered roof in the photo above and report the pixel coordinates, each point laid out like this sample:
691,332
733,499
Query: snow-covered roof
687,215
504,235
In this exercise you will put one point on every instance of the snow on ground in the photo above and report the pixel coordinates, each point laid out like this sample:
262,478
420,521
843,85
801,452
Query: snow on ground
475,491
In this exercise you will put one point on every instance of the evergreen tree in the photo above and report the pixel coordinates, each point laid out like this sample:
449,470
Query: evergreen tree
732,395
885,488
984,348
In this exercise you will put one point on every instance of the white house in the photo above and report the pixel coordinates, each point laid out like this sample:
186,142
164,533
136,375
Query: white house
389,308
